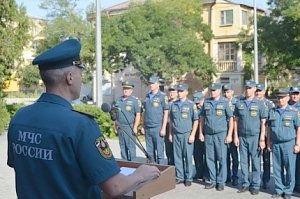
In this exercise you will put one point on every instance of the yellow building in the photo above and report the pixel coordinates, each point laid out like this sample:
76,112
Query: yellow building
36,26
226,20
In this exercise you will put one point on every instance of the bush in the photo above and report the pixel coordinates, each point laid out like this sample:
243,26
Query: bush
4,118
12,108
103,119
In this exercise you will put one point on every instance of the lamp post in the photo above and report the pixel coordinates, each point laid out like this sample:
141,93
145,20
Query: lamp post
99,96
255,44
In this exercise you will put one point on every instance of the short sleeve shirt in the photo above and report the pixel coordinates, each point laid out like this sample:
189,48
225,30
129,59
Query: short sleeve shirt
130,107
182,115
154,107
216,112
283,124
249,114
57,152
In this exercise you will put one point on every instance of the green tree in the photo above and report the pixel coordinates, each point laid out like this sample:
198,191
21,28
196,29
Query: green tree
163,37
279,37
66,21
14,35
29,76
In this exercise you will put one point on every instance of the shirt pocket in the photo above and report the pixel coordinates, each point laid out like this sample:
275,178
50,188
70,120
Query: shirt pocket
220,110
254,111
207,109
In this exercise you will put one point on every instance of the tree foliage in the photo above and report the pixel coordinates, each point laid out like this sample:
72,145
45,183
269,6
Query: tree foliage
29,76
279,37
163,37
14,35
65,21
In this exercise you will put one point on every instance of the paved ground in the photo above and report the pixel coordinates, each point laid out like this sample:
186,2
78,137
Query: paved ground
7,188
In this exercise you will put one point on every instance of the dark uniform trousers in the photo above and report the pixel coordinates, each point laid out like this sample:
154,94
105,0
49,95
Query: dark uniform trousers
200,159
127,146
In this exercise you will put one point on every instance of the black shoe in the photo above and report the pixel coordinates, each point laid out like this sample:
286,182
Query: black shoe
220,187
287,196
187,183
209,186
228,180
254,191
276,195
235,182
243,189
179,181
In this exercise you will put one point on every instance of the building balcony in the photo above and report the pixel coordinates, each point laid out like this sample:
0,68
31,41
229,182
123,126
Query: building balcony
226,66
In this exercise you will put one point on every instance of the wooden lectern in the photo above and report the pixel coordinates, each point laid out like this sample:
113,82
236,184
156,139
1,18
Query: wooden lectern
165,182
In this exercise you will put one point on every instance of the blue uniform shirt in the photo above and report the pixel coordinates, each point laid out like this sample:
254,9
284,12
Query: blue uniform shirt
183,114
129,107
268,105
250,114
57,152
295,105
283,124
154,109
216,112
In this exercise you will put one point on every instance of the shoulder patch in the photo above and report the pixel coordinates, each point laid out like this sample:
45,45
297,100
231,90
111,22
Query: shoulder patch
86,114
103,147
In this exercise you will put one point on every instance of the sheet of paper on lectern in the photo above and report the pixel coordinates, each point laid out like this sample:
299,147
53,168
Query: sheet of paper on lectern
127,170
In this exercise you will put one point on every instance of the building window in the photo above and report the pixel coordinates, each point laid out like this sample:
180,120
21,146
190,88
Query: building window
226,17
225,80
245,18
227,51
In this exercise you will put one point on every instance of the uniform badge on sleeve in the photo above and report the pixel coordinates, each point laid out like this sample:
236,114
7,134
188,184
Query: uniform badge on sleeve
103,147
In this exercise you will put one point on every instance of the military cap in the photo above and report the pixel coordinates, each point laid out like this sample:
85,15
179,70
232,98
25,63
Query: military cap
282,93
62,55
127,84
227,87
182,87
250,84
198,96
294,89
260,87
173,88
153,79
215,86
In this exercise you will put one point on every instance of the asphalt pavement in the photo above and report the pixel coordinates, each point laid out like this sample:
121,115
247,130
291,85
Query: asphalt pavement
7,182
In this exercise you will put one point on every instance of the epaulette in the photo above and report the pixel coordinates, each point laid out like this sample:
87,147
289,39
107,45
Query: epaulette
86,114
292,108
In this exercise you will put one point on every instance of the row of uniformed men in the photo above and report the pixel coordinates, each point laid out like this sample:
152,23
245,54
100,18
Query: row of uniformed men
218,132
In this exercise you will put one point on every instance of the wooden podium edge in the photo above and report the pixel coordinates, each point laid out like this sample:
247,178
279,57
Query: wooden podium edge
165,182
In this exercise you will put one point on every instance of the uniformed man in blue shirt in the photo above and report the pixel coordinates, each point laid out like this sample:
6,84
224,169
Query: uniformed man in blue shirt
250,118
284,140
169,146
184,118
127,121
199,146
295,102
232,152
216,110
156,110
260,95
57,152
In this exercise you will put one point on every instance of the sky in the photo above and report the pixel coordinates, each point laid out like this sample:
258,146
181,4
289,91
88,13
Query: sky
34,10
32,6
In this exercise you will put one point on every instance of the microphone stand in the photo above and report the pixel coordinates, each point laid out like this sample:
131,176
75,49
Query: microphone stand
137,141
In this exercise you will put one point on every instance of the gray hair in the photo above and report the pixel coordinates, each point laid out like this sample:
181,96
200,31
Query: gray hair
53,77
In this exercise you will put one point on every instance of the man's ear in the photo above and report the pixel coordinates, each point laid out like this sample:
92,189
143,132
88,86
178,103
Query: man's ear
69,78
